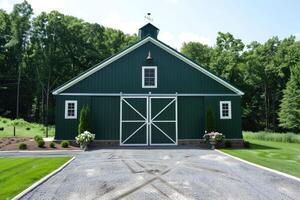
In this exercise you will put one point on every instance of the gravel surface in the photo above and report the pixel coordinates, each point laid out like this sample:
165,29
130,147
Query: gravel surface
163,174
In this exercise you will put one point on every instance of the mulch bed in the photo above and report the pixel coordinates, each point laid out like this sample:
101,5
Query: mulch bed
12,144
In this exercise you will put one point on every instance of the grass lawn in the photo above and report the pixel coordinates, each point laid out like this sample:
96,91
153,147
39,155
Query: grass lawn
16,174
284,157
23,128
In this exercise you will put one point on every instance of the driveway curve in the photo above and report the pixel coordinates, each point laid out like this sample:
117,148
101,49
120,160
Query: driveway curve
163,174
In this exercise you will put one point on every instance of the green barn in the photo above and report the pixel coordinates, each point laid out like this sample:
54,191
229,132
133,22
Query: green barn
148,94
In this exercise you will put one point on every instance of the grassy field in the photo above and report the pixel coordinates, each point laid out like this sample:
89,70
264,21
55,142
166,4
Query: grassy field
269,136
19,173
23,128
284,157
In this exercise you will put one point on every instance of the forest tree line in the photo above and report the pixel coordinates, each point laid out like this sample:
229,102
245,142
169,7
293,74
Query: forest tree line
42,52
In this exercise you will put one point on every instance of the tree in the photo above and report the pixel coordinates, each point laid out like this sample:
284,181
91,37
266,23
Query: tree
227,60
289,115
199,53
20,25
210,120
85,121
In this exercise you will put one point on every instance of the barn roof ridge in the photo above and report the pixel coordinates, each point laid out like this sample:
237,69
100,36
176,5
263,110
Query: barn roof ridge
134,46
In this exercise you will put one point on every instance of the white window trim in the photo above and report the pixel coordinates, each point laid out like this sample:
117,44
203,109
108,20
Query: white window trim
229,110
66,109
143,77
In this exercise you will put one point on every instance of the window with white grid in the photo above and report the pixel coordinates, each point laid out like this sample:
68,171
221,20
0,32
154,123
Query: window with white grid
225,109
70,109
149,77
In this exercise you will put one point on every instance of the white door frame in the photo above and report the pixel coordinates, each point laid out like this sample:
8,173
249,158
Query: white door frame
123,99
148,120
152,121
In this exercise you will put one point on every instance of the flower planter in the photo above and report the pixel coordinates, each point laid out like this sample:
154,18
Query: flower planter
213,138
84,139
84,146
213,145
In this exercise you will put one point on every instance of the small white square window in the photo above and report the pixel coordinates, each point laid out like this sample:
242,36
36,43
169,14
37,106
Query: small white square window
70,109
225,109
149,77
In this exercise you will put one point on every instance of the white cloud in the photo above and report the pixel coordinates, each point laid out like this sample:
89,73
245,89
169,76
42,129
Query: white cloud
48,5
114,20
192,37
176,41
38,5
6,5
168,38
297,35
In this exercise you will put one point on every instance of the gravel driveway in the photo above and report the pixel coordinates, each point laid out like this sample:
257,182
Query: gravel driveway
163,174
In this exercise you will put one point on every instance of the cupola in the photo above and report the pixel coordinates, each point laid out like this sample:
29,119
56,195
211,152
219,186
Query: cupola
148,30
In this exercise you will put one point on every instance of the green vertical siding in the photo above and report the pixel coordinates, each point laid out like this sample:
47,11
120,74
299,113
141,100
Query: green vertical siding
125,75
190,117
67,128
106,117
230,127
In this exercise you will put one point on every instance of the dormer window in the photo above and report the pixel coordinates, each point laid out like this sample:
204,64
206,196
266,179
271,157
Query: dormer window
149,77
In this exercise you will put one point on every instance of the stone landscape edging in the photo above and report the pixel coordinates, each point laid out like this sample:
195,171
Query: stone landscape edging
260,166
39,182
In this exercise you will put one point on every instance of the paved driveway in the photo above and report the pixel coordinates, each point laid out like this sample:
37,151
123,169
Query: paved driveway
163,174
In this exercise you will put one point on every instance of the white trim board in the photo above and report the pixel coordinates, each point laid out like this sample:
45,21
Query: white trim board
135,46
144,94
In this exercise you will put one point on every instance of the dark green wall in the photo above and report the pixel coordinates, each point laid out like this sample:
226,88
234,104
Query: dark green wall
67,128
190,117
230,127
125,75
106,117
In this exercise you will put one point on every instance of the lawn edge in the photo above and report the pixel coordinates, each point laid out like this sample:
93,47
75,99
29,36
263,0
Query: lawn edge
42,180
260,166
41,151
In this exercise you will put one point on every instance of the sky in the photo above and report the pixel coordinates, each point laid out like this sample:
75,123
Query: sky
184,20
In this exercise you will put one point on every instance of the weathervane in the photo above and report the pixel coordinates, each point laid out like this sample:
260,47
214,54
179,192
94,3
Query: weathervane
148,17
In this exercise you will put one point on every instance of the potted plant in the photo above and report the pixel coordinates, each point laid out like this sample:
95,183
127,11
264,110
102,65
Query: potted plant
213,138
84,139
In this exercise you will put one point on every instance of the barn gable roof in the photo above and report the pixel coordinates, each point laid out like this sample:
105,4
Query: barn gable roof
132,48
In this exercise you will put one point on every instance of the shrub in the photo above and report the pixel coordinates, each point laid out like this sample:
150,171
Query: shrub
52,145
65,144
210,122
41,143
19,122
27,128
1,128
22,146
37,138
4,121
85,121
247,144
228,144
